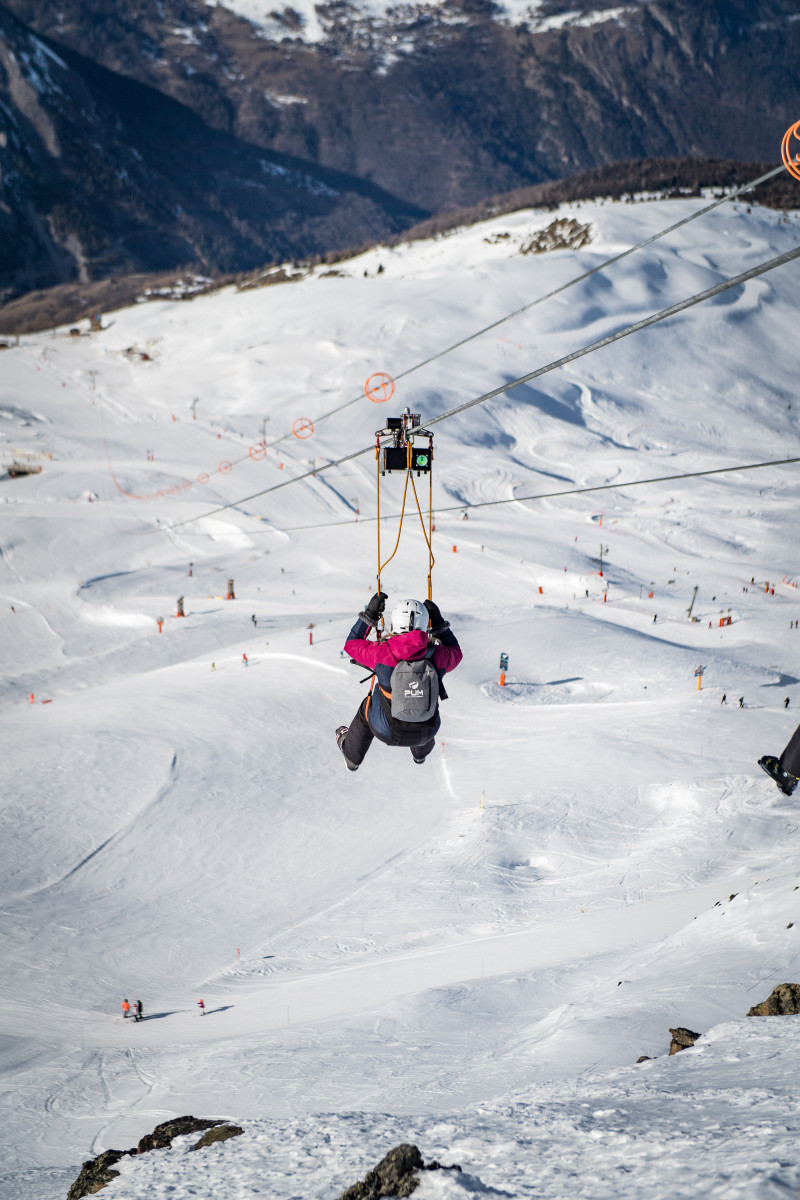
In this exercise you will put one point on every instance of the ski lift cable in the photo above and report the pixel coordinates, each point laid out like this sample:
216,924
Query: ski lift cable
653,319
746,187
579,491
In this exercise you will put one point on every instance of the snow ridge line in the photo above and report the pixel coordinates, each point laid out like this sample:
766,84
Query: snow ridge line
118,833
746,187
753,273
779,261
557,291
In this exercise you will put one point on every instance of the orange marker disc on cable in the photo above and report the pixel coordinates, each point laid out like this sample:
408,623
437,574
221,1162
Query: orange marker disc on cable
792,164
379,387
303,428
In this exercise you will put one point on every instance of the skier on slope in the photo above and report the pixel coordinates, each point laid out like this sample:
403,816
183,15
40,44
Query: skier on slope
403,710
786,769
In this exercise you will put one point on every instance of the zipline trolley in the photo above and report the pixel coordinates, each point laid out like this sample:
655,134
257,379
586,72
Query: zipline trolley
404,445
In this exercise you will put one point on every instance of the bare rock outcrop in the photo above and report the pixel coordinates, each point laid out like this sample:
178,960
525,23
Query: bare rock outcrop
97,1172
396,1175
162,1135
682,1039
783,1001
220,1133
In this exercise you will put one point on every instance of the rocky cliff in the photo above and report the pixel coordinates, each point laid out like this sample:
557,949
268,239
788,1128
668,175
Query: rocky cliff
102,175
445,103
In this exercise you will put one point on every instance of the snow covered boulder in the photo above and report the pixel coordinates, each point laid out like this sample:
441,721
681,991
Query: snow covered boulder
395,1175
783,1001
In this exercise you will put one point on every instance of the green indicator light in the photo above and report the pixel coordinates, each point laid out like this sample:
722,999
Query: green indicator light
422,460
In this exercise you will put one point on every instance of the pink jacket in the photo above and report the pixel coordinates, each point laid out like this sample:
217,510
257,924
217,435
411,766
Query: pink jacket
399,647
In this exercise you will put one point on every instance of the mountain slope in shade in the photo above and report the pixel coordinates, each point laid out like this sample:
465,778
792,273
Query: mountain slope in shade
101,175
445,104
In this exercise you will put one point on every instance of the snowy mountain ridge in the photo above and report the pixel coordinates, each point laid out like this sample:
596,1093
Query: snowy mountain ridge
470,955
312,23
416,111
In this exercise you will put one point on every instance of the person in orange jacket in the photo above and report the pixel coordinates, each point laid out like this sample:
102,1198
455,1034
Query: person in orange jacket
126,1009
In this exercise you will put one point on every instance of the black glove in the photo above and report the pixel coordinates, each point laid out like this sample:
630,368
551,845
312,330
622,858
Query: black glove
374,610
438,623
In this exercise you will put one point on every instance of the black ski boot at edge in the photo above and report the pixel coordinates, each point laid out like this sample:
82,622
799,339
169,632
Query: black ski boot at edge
786,782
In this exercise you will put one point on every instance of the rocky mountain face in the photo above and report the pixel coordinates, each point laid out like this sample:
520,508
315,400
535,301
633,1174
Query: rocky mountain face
447,102
431,106
102,175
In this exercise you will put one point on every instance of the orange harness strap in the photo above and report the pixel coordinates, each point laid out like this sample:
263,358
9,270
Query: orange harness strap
369,699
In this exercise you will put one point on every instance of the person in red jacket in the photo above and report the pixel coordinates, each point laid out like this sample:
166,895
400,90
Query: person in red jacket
410,641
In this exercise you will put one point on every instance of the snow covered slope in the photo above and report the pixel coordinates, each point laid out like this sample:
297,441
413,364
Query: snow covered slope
471,954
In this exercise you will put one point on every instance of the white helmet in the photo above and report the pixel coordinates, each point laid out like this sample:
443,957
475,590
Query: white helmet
408,614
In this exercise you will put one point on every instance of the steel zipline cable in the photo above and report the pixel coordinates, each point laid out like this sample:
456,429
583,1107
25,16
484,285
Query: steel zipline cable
653,319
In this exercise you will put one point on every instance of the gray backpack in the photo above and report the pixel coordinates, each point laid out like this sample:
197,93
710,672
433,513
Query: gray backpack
415,691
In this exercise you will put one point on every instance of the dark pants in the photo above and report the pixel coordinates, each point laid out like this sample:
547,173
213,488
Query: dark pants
360,734
790,759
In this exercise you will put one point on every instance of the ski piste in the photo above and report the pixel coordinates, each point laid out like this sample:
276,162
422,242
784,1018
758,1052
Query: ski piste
486,974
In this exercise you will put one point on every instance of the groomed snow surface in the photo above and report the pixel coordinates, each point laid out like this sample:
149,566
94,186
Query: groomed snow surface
469,955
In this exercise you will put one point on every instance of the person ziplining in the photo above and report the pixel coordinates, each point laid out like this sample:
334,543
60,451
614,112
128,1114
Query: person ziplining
409,667
410,664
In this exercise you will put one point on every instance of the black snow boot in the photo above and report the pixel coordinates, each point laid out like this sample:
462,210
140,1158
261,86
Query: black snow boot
341,734
786,782
421,752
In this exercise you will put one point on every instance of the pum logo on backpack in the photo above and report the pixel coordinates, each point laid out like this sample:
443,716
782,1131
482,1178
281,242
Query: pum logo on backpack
415,691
